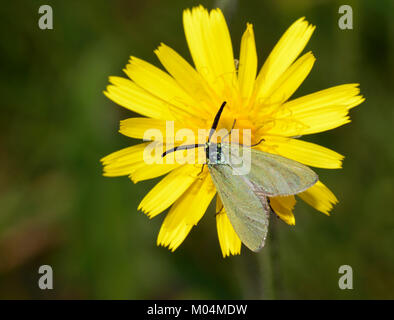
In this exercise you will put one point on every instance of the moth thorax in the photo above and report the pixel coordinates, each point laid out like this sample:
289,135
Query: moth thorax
214,154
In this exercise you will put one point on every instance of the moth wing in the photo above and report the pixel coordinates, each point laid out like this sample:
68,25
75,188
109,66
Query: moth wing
274,174
246,206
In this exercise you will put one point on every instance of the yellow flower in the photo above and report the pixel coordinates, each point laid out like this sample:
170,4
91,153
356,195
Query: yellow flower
258,100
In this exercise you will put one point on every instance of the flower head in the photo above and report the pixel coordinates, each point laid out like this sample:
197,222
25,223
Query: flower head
259,100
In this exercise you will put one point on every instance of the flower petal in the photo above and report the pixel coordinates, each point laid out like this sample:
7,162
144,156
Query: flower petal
316,112
186,212
123,162
139,165
319,197
344,95
168,190
161,85
210,45
229,241
290,80
150,171
127,94
282,56
308,122
283,207
187,78
139,128
307,153
247,63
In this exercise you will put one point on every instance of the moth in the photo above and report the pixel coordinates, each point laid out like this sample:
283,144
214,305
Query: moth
245,197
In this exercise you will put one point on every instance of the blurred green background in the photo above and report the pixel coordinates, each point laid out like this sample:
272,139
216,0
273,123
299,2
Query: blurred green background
57,209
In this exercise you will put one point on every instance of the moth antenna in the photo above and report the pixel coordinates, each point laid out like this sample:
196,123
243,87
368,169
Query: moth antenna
216,121
189,146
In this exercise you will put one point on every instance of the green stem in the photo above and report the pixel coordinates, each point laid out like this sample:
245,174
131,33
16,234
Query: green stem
266,270
269,264
260,272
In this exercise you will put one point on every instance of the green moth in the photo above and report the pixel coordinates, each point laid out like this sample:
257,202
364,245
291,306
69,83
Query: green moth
245,197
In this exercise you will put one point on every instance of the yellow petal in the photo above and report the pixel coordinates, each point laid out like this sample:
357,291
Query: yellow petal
161,85
319,197
307,153
150,171
138,165
283,55
137,127
210,45
230,243
123,162
290,80
316,112
173,238
186,212
199,196
247,63
308,122
346,95
188,78
323,119
169,189
140,127
127,94
283,207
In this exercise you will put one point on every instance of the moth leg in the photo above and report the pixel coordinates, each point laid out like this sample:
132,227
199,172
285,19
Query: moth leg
253,145
269,203
232,128
256,144
202,169
221,209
